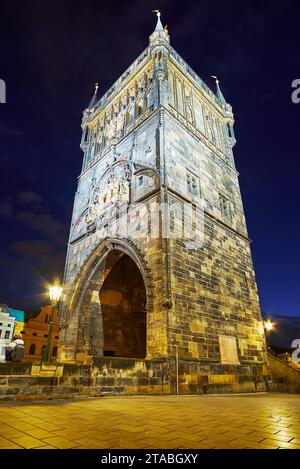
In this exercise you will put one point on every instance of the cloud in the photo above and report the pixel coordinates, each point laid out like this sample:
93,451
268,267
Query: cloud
26,276
8,205
40,256
34,248
46,224
34,217
28,197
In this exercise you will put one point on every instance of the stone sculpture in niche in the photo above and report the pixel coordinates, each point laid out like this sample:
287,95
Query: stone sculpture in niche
141,94
121,122
131,109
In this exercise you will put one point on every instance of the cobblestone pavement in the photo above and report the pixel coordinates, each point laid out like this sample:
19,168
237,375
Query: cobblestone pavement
236,421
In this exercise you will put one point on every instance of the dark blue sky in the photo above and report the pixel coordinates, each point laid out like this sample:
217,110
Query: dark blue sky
51,54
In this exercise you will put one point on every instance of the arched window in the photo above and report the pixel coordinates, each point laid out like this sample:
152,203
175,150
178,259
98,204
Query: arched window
43,348
54,352
46,318
32,349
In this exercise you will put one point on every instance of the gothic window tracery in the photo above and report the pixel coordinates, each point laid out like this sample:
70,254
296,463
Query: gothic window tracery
179,96
189,110
211,129
171,88
149,88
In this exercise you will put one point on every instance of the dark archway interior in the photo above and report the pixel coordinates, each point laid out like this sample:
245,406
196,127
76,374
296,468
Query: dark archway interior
123,306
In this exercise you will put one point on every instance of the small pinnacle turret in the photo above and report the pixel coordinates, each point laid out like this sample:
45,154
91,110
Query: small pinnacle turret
159,26
94,99
219,92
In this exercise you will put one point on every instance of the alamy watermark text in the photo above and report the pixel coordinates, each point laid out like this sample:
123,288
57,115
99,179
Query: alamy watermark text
296,93
2,92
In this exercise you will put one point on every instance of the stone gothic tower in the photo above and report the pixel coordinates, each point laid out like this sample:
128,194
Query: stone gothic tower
159,259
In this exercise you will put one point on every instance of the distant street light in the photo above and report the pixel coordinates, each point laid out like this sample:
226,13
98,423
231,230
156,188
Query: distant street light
269,326
54,294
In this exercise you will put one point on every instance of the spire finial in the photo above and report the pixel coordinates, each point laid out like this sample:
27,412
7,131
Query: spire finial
219,92
216,79
159,26
94,98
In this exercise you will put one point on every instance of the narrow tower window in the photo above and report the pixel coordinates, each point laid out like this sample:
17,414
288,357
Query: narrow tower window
225,207
86,134
192,184
229,130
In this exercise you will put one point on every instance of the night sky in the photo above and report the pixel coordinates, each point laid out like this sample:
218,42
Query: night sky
51,54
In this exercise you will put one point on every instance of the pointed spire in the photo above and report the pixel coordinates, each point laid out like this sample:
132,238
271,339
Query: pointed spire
159,33
219,92
159,26
94,98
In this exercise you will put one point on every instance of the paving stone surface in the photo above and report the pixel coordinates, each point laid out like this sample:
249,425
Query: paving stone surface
232,421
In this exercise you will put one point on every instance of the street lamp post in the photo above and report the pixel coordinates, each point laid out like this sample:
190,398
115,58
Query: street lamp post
177,369
54,293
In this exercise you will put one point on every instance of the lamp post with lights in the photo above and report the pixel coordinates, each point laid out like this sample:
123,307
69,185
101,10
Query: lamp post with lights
54,294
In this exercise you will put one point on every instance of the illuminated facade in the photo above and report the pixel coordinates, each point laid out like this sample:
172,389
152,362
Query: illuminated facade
7,324
158,159
19,318
35,335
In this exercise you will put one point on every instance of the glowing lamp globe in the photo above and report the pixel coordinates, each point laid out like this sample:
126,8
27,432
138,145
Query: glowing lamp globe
55,292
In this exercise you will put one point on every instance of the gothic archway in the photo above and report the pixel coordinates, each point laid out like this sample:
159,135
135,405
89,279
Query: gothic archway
83,331
123,308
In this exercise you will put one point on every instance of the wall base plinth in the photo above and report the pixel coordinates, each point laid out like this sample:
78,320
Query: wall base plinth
129,376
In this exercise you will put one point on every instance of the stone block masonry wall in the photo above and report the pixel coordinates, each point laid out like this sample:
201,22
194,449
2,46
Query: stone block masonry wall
129,376
94,207
215,318
214,295
188,160
114,376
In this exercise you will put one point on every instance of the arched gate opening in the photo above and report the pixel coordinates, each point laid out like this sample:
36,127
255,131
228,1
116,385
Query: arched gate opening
123,308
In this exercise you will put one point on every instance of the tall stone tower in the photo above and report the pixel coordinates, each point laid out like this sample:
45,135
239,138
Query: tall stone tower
159,261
